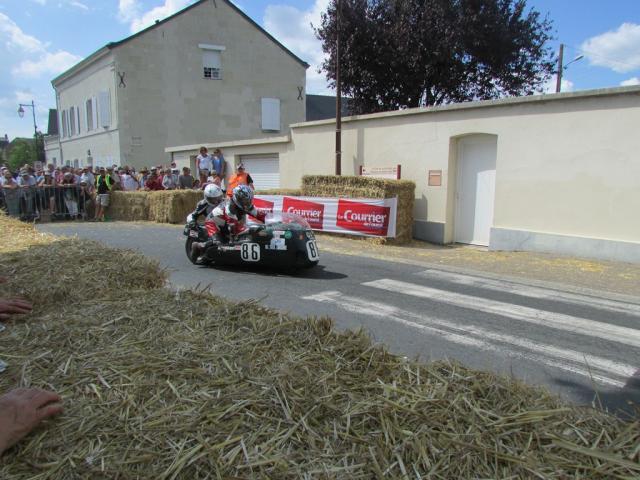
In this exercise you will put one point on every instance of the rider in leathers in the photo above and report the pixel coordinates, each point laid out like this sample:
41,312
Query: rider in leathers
230,220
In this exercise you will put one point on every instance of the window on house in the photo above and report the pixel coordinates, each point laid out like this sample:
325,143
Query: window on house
89,112
271,114
94,104
72,123
63,123
212,61
78,119
212,65
104,107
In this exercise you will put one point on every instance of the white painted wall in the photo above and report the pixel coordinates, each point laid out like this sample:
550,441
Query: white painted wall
52,149
567,172
103,143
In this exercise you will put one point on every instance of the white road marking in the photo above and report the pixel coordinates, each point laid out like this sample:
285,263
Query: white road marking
590,366
532,291
559,321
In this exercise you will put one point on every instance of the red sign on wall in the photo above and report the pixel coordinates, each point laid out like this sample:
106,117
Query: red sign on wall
312,212
363,217
264,205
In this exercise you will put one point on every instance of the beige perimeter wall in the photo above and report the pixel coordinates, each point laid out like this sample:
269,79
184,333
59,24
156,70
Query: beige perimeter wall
567,167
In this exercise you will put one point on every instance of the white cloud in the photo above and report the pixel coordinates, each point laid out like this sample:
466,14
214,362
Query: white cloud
130,11
630,82
79,5
566,85
15,38
618,50
293,28
49,64
40,2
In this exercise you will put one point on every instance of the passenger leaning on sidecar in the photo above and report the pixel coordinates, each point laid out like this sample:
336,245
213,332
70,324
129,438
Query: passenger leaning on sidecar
213,196
230,220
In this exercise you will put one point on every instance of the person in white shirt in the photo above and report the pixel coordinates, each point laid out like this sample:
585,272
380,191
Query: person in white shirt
204,163
87,177
129,182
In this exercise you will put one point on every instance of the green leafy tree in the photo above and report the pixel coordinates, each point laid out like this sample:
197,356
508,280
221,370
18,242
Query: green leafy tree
410,53
21,151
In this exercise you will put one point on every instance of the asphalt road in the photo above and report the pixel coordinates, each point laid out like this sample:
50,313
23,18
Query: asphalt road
584,347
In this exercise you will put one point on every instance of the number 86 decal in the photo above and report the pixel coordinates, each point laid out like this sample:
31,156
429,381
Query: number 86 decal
250,252
312,250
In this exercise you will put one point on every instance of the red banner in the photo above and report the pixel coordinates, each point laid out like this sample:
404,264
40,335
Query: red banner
355,216
363,217
264,205
312,212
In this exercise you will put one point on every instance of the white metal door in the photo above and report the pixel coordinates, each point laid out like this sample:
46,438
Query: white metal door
264,170
476,187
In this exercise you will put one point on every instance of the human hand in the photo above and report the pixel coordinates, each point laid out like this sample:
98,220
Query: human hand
13,306
21,410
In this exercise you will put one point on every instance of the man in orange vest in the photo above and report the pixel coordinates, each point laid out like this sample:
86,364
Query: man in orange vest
239,178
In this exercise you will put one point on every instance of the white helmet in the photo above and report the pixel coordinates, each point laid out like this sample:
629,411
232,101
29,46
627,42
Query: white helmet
213,194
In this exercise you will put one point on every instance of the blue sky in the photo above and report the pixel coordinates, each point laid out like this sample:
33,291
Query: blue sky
41,38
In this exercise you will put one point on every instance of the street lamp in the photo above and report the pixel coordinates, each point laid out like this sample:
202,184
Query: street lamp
561,68
35,127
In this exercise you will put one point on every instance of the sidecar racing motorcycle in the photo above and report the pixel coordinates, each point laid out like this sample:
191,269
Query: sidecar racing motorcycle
284,241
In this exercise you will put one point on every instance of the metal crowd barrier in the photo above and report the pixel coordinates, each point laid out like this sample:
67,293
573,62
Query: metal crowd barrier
48,203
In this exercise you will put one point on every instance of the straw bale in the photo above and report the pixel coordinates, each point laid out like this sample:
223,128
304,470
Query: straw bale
186,385
367,187
289,192
129,206
172,206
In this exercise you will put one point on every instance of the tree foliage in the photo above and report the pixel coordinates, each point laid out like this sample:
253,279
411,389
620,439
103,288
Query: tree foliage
410,53
21,152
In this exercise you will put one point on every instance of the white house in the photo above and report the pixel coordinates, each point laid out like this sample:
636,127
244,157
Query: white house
208,72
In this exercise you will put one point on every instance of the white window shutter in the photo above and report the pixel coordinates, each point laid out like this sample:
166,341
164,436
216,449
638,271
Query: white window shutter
94,104
104,103
62,125
271,114
211,59
72,121
88,115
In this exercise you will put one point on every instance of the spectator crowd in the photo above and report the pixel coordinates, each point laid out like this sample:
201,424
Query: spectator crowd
67,192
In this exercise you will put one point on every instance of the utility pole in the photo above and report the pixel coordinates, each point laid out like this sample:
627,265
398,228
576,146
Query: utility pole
560,68
338,95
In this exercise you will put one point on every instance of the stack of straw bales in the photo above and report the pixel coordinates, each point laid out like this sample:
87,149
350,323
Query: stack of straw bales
366,187
172,206
184,385
129,206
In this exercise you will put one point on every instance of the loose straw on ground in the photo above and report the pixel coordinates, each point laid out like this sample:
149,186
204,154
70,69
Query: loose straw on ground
185,385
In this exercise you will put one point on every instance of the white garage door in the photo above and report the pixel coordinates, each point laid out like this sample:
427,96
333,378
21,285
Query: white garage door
264,169
475,189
